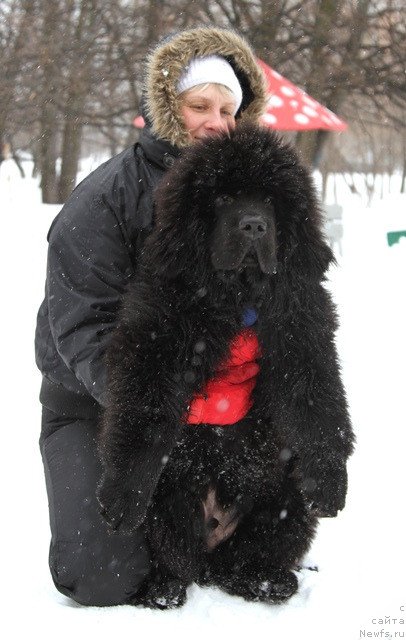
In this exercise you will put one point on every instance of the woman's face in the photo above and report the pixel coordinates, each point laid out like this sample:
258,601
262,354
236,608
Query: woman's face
207,112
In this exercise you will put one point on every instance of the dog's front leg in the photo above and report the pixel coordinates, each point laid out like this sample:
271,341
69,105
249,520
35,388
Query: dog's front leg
305,395
140,428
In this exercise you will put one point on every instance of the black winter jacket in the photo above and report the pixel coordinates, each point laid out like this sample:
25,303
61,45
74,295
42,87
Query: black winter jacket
92,254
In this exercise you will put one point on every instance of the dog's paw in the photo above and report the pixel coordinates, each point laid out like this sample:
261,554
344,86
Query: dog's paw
324,485
122,503
274,588
169,593
273,585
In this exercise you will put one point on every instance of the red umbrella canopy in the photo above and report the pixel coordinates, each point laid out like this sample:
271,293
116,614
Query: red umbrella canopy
291,109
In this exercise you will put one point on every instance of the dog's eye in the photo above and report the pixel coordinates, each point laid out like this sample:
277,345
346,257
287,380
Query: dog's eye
268,200
223,199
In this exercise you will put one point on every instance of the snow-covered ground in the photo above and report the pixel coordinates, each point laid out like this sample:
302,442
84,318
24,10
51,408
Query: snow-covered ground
360,555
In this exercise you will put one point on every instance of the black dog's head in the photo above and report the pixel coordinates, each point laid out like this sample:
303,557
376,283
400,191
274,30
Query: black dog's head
234,205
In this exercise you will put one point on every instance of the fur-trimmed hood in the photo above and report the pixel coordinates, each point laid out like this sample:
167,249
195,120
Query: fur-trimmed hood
166,63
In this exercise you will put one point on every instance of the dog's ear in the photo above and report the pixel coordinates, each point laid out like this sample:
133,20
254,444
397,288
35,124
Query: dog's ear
177,245
303,248
306,251
183,202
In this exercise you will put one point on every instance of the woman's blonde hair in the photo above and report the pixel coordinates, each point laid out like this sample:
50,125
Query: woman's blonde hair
223,90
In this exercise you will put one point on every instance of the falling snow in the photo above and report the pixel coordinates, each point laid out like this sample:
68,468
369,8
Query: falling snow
359,555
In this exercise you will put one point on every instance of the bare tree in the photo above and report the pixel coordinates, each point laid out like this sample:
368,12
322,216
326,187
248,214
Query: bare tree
339,51
73,68
16,19
82,31
50,62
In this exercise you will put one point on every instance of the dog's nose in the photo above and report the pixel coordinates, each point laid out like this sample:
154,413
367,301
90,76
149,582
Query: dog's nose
253,227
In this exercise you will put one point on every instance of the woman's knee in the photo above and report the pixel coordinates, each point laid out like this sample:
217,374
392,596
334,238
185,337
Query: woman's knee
84,574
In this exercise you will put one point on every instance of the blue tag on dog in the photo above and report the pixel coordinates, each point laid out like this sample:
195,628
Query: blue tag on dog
249,317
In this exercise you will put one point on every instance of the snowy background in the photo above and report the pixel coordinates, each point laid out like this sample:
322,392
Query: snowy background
360,555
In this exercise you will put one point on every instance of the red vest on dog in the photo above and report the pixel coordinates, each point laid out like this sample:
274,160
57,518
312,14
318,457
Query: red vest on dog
226,398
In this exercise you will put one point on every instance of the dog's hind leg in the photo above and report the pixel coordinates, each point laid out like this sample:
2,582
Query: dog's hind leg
173,531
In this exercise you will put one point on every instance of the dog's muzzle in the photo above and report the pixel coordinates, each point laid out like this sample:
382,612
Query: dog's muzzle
253,227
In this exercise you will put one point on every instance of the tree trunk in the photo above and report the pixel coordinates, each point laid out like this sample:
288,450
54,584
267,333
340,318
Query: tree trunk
310,143
324,180
50,60
48,154
71,145
79,83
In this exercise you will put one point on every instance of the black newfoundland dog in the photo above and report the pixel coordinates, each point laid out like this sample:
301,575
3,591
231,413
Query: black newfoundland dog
237,254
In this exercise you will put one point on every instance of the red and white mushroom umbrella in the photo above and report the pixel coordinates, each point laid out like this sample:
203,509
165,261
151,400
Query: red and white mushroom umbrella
289,108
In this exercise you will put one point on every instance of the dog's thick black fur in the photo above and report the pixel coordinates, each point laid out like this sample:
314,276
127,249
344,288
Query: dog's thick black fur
237,226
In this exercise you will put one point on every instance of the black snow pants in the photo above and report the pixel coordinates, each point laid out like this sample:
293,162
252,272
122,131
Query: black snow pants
89,563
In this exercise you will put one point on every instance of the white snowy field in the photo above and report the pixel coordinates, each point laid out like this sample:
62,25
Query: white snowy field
360,555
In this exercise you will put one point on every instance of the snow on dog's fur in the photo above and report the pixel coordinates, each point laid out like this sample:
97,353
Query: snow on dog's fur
237,228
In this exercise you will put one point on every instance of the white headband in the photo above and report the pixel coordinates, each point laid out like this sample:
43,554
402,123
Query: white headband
213,69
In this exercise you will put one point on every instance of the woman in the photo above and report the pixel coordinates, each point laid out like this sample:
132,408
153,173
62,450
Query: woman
198,83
